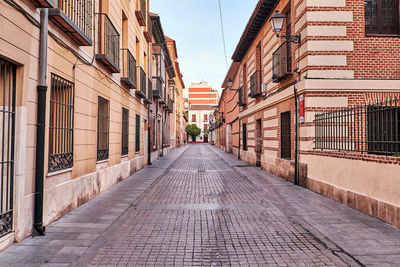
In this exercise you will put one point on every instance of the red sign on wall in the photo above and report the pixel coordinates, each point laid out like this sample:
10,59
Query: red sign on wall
301,109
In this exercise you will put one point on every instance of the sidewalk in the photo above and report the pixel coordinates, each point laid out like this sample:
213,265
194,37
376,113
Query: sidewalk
367,239
70,237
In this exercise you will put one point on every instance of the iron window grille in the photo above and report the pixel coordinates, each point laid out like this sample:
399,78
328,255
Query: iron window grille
149,98
109,40
141,91
382,16
280,62
129,76
286,151
7,141
370,128
255,89
103,129
241,102
125,132
61,128
76,18
137,141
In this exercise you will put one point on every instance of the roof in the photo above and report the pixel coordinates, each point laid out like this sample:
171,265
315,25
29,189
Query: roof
257,20
231,73
159,38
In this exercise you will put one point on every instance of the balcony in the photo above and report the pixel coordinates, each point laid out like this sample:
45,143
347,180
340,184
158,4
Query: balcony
109,44
141,13
74,17
255,85
157,87
241,102
129,77
141,91
149,98
43,3
280,66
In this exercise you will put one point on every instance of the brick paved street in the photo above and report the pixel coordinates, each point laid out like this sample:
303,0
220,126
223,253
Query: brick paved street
198,206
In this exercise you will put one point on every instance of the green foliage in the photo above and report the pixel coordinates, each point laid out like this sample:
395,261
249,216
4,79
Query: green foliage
193,130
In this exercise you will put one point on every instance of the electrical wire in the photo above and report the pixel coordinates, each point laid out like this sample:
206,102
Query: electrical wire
223,34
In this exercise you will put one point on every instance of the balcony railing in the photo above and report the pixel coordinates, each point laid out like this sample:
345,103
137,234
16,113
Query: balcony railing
255,85
43,3
280,63
149,98
157,87
141,13
109,44
75,17
141,91
241,102
129,77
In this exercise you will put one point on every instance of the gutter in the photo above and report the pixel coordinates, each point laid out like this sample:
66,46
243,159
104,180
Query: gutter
38,227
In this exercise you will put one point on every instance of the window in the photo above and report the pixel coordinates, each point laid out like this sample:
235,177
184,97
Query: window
137,141
244,136
61,131
381,16
205,117
205,127
285,136
103,127
193,117
125,131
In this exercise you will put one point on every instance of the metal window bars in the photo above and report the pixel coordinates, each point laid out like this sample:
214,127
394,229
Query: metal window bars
255,89
103,128
7,141
61,126
137,139
129,75
371,128
125,132
280,63
80,12
142,83
109,44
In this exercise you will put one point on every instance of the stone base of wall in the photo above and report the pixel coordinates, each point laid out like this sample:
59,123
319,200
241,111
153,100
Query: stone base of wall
64,197
378,209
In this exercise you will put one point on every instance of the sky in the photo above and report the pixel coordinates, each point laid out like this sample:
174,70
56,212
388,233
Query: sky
196,28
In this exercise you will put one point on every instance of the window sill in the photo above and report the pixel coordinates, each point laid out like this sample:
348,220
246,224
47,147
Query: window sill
124,156
50,174
381,35
102,161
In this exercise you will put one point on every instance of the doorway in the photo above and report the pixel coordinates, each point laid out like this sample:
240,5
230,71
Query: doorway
7,139
258,142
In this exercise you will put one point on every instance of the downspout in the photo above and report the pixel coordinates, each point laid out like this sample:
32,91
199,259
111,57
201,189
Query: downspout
296,140
239,139
162,135
148,135
38,227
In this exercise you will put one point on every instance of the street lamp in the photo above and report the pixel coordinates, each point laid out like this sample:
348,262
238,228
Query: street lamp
277,21
230,84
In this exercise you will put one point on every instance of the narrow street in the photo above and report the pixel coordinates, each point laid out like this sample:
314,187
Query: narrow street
198,206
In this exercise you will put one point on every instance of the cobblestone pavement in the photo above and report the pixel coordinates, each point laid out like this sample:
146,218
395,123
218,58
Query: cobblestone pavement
199,206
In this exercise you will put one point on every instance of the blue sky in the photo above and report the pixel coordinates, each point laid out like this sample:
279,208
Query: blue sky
195,26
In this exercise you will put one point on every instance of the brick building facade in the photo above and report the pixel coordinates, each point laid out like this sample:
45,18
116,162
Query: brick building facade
345,73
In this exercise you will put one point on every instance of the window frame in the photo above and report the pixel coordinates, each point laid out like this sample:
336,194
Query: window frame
61,124
125,132
379,26
103,153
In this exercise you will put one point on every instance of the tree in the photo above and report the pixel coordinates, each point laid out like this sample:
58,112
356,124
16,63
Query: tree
193,130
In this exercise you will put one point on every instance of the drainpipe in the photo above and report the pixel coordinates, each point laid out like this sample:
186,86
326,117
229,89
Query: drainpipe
148,135
296,142
38,227
162,135
239,139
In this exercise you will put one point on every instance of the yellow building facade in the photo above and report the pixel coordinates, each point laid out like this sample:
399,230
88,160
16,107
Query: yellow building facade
98,78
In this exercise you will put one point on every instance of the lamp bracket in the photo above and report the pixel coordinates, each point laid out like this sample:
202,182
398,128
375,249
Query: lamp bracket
292,38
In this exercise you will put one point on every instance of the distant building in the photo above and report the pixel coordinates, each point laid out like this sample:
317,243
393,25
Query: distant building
202,101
